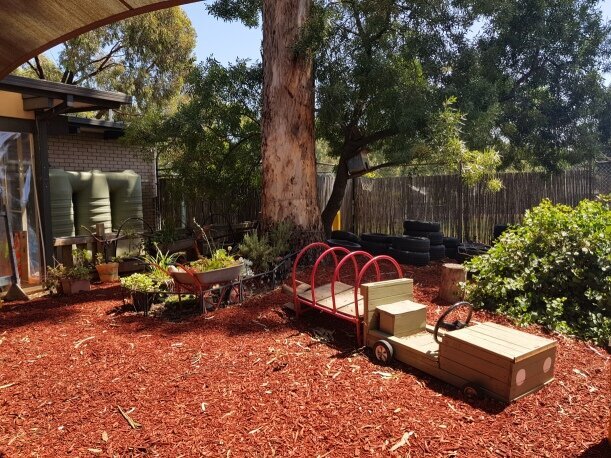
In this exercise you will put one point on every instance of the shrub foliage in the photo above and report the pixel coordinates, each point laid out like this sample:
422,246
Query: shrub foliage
553,269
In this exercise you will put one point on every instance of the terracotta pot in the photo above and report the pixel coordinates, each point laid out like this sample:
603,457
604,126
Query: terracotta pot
72,286
108,272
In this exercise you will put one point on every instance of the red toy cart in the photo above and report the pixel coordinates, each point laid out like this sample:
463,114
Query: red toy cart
337,298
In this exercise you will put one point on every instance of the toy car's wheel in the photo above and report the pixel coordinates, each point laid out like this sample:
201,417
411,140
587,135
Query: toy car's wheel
471,391
453,325
383,351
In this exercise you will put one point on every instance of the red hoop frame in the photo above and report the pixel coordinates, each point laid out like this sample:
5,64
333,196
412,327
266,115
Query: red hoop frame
358,275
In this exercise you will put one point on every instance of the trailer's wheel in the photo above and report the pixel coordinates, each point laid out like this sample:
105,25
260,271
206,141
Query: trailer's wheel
383,351
454,324
471,391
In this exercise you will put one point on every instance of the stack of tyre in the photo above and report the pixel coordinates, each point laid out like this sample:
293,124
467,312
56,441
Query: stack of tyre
451,244
376,244
345,239
429,230
410,250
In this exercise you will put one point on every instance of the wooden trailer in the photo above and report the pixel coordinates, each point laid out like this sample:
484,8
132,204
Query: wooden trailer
501,362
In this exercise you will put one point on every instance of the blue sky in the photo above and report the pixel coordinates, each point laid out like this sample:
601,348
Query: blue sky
226,41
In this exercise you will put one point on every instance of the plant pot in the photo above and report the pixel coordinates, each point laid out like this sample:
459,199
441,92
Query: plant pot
140,300
72,286
219,275
108,272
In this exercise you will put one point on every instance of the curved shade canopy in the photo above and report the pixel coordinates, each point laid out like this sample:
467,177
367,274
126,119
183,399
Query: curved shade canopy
28,28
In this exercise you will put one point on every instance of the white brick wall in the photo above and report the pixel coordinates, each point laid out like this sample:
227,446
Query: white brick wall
85,152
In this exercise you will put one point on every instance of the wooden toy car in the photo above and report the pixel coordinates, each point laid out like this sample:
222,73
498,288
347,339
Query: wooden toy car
487,358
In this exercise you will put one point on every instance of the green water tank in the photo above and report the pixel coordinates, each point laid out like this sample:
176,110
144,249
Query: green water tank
125,197
62,211
91,200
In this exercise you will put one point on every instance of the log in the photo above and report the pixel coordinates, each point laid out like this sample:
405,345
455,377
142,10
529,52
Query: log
451,277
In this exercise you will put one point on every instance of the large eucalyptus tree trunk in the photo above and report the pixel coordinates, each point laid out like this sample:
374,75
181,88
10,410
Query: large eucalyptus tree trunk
289,161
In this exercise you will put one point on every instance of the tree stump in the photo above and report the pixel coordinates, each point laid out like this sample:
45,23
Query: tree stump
451,277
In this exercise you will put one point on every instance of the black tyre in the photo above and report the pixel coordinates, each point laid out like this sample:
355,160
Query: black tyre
345,235
378,238
344,243
450,242
498,230
408,243
452,253
409,257
421,226
383,352
437,252
436,238
374,248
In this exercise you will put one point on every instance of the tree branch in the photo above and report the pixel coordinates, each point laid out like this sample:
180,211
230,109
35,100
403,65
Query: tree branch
39,69
392,164
104,63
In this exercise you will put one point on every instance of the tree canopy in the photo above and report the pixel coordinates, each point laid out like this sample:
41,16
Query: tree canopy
532,83
212,142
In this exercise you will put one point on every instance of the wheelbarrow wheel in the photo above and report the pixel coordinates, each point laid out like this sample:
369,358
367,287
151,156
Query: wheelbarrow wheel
383,352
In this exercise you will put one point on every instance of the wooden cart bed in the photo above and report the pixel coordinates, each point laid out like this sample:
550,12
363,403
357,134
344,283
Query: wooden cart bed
344,298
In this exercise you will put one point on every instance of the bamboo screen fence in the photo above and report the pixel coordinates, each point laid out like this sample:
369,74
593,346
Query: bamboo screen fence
381,204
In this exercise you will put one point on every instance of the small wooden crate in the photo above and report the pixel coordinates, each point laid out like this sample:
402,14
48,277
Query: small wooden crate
402,318
380,293
506,362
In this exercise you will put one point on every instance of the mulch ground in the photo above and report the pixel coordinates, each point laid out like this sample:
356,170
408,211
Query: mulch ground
251,380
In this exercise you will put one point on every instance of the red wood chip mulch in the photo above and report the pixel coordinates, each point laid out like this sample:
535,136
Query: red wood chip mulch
78,377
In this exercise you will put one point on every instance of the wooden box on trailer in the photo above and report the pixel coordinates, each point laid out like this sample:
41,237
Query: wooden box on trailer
380,293
402,318
506,362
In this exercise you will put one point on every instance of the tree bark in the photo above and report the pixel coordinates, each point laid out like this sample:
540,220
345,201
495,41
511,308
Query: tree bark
288,154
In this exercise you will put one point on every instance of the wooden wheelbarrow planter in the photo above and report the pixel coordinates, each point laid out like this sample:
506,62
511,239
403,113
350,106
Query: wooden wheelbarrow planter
486,358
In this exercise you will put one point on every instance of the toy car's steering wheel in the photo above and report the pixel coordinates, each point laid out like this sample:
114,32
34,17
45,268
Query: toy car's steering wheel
456,324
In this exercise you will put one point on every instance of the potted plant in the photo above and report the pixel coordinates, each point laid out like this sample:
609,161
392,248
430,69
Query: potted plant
70,280
108,271
140,287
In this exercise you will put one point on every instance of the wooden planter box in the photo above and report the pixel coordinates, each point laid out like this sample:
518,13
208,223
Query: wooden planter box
71,286
132,265
178,245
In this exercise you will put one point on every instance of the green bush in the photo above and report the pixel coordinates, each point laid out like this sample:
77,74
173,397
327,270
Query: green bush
258,250
553,269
